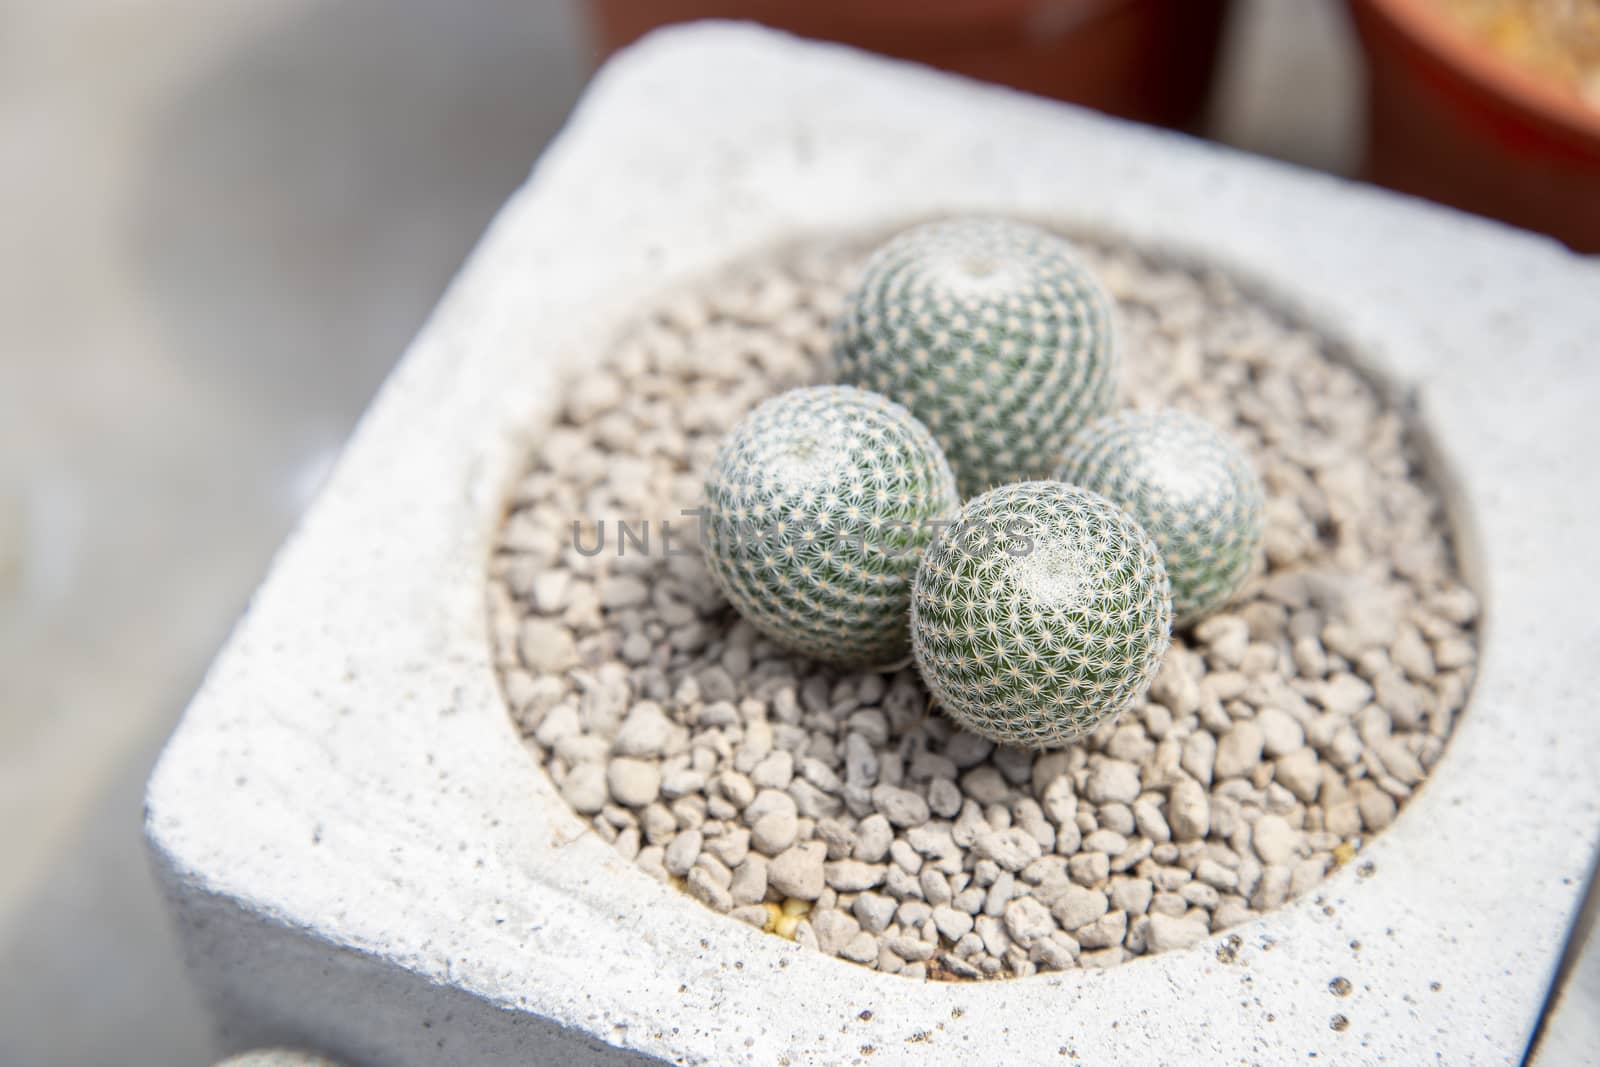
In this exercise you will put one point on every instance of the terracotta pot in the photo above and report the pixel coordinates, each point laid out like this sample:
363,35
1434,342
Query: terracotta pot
1453,120
1149,60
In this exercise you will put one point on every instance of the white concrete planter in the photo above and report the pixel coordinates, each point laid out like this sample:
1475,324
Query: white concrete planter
364,859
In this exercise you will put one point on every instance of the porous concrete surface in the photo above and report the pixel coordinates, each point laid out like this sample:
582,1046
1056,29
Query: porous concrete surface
357,845
1279,735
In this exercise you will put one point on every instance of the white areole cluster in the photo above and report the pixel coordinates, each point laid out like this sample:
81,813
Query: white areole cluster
994,333
818,507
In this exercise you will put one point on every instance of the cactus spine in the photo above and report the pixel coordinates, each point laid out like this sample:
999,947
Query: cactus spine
1192,490
1040,614
993,333
819,504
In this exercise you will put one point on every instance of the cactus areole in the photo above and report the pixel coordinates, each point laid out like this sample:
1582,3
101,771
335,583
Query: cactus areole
1042,613
1191,489
994,333
819,504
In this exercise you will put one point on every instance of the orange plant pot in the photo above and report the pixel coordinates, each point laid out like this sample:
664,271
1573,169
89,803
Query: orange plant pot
1148,60
1452,120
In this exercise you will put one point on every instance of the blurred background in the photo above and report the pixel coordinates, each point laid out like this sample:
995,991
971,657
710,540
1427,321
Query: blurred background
226,220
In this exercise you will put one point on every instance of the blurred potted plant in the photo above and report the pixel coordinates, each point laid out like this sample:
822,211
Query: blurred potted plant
1489,105
1149,60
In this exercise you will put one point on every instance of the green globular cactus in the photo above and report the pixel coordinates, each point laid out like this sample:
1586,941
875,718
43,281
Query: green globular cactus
994,333
1191,489
818,507
1041,613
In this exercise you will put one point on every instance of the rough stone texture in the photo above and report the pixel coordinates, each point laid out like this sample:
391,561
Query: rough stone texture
1225,763
353,728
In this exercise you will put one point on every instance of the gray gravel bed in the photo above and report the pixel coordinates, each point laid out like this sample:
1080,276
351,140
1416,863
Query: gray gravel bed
839,809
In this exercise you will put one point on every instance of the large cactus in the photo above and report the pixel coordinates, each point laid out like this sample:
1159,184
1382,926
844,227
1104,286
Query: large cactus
819,504
994,333
1040,614
1191,489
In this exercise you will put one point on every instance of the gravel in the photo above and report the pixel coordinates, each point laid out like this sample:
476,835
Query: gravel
798,871
839,809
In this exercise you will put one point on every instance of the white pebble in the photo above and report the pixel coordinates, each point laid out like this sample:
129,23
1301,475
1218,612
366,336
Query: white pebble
852,876
834,929
1168,933
1089,868
798,871
644,732
873,836
952,923
775,832
1011,849
935,887
986,785
861,949
1280,733
944,798
1377,807
749,885
1239,750
1274,840
633,783
1077,906
1131,895
546,647
585,788
1226,637
1273,888
1199,756
624,591
1188,811
1028,921
874,911
682,852
1104,932
704,888
911,948
1113,780
1343,694
901,807
1307,873
1300,773
776,771
1399,761
730,848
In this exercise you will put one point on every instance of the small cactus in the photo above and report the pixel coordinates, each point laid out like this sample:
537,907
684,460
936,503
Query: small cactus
818,506
1192,490
993,333
1040,614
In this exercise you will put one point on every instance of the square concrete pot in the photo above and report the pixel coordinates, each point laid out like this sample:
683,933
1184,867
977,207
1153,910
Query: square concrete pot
363,858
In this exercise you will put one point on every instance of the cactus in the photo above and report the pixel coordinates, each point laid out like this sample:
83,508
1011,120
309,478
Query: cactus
1040,614
1191,489
993,333
818,506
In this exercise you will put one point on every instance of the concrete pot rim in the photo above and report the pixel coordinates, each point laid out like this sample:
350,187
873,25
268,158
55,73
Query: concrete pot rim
348,766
